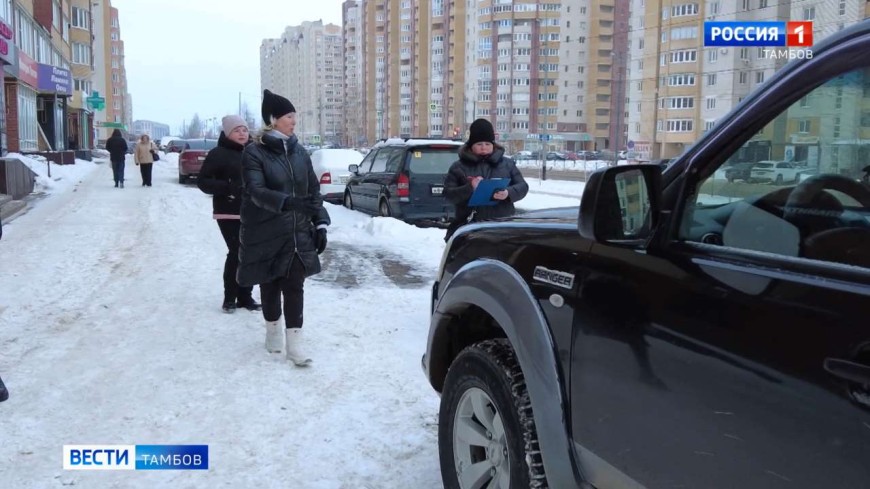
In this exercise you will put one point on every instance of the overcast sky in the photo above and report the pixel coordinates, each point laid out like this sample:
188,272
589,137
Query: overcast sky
195,56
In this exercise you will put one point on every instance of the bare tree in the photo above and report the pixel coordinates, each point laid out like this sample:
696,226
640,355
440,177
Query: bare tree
194,129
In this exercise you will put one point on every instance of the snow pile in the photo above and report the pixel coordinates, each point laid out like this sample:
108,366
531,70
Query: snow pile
561,188
63,177
423,246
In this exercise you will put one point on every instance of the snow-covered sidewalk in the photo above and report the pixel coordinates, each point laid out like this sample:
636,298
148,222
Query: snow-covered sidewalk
112,334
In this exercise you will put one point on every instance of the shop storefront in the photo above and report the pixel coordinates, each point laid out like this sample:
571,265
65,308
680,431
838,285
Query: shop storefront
22,127
8,58
54,87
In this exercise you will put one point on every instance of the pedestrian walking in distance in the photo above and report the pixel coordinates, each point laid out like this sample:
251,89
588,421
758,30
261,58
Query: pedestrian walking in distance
143,155
117,147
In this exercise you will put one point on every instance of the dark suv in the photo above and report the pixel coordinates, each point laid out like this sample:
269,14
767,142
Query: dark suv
403,178
673,331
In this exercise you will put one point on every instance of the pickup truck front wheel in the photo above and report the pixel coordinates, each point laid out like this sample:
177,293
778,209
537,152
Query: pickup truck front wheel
486,432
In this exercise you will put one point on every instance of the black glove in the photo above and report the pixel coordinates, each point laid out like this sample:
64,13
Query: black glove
320,240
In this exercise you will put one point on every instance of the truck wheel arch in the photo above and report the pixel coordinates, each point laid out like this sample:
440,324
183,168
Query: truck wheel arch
501,292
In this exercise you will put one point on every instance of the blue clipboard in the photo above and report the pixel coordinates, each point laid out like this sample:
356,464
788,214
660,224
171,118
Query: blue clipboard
482,196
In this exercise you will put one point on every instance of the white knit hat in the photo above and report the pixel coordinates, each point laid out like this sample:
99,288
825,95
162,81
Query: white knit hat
231,122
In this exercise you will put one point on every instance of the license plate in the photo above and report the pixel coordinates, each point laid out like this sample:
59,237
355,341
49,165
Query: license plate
201,158
343,179
437,190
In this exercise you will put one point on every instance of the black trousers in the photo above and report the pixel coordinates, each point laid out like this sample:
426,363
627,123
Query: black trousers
291,288
146,169
232,291
118,170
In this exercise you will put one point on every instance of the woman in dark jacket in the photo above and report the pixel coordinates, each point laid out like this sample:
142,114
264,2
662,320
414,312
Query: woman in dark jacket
283,224
221,176
480,158
117,147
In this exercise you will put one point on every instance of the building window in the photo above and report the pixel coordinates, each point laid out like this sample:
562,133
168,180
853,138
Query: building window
804,126
81,54
680,125
711,103
711,79
27,122
684,10
809,13
56,15
709,125
762,3
842,7
82,85
6,11
759,77
743,77
712,55
81,18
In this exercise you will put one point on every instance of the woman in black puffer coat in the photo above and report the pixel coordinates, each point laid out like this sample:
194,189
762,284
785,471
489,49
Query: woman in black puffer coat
221,176
479,159
283,224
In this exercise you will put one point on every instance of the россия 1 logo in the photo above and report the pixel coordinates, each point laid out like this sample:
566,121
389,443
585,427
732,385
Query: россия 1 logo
763,34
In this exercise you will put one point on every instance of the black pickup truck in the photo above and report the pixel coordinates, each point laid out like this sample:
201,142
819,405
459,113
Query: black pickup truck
676,330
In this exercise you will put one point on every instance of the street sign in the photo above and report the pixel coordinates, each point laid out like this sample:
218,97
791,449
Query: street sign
630,145
111,125
95,102
433,107
545,137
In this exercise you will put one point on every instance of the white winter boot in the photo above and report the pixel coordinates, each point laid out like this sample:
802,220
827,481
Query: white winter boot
274,338
294,336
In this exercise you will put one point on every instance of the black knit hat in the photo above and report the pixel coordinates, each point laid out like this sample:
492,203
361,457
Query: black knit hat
481,131
275,106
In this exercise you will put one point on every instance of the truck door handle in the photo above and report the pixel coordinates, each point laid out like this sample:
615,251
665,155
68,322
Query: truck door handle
848,370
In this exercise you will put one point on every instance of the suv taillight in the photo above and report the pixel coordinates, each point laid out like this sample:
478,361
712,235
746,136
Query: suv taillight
404,186
326,178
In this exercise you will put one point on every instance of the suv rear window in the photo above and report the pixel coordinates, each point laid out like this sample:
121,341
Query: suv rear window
198,144
764,165
431,161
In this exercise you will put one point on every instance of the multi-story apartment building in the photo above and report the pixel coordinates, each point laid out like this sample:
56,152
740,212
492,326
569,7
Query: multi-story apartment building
156,130
305,65
543,71
352,33
81,121
678,88
441,92
388,46
38,80
110,75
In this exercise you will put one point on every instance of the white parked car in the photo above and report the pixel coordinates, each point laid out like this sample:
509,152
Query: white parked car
778,172
330,165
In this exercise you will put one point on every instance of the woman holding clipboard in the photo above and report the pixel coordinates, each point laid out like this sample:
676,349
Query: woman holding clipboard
483,184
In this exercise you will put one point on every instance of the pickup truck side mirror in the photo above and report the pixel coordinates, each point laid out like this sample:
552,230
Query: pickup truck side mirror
353,169
621,204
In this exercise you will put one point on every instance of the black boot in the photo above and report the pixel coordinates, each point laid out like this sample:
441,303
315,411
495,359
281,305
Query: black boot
229,307
249,304
116,184
4,394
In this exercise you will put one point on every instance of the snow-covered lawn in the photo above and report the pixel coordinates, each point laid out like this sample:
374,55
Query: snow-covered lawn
112,334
